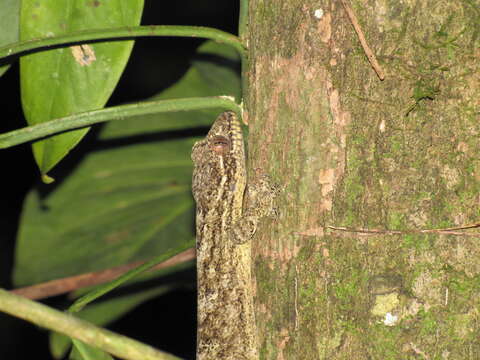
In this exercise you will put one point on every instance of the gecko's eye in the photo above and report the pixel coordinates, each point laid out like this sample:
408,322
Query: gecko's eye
220,144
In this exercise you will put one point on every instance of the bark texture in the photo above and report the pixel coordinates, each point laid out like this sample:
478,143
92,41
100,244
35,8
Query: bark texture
349,150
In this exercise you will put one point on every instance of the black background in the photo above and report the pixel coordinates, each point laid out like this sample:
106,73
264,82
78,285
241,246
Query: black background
167,322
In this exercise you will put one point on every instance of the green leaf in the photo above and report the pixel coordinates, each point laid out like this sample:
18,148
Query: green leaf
123,204
82,351
61,82
109,210
128,200
9,15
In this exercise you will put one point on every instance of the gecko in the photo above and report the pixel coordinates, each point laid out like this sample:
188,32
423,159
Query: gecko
227,214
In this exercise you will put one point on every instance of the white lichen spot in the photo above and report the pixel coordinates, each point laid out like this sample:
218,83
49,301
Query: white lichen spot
83,54
390,320
382,126
318,13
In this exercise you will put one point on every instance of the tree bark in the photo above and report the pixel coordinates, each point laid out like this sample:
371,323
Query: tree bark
365,167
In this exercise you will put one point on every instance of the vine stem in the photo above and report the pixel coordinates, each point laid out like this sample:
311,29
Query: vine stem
243,18
122,33
82,330
121,112
242,31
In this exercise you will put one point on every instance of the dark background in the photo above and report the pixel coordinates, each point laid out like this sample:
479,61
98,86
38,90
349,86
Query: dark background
155,64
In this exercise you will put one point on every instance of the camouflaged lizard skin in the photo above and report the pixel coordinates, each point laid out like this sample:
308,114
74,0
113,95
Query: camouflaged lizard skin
226,325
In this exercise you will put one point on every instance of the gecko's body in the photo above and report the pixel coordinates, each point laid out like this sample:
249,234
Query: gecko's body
226,326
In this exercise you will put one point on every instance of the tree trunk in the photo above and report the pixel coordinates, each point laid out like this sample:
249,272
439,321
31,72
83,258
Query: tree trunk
347,270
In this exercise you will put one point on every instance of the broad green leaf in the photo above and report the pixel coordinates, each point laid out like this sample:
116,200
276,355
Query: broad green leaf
134,145
79,78
9,15
124,203
129,200
82,351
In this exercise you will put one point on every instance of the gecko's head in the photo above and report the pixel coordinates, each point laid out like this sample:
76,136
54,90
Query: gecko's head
223,140
219,159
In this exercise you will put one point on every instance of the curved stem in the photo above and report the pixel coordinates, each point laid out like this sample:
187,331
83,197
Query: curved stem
69,325
123,33
121,112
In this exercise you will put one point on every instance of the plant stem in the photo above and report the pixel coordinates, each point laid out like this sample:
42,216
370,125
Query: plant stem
121,112
242,31
243,19
122,33
69,325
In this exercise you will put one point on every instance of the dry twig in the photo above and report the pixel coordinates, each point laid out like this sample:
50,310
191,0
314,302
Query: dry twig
446,231
61,286
370,55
